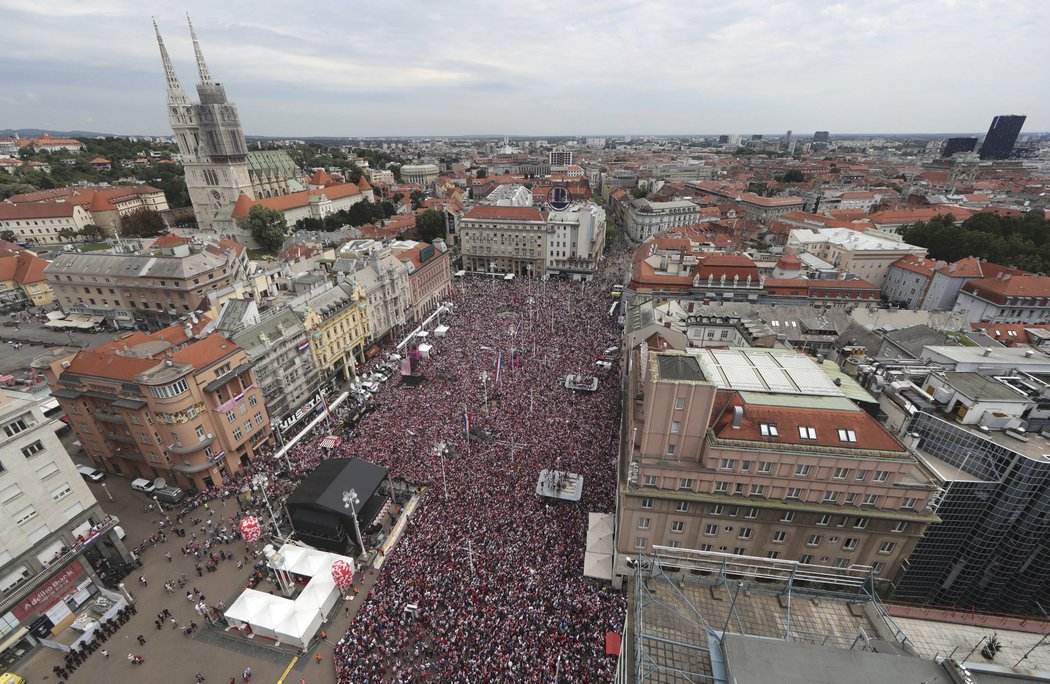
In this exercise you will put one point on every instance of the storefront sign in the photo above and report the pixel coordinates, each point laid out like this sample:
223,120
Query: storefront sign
306,409
49,594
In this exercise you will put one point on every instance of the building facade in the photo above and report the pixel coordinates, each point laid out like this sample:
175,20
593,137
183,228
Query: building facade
163,405
756,452
43,224
420,174
22,279
644,218
908,280
1001,136
503,240
50,514
575,241
1007,298
863,254
338,323
145,290
429,274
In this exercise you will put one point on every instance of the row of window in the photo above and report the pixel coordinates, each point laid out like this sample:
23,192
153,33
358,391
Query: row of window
804,559
859,522
802,470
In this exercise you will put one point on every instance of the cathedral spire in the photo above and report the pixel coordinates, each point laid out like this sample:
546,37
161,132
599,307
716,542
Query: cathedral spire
176,95
202,67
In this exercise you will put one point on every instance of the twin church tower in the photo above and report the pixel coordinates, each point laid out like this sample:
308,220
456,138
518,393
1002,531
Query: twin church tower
219,168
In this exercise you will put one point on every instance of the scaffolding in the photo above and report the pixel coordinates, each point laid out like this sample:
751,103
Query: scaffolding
685,602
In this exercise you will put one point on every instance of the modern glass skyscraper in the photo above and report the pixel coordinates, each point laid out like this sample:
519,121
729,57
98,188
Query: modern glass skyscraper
1002,135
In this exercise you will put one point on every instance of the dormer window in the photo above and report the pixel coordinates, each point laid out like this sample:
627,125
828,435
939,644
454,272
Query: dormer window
847,435
769,430
807,432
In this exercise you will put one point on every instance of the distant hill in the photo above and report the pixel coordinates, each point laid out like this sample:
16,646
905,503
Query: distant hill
34,132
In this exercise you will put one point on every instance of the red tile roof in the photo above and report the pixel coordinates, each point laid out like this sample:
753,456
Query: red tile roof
10,211
20,265
204,353
916,264
1010,334
170,240
998,289
295,199
827,422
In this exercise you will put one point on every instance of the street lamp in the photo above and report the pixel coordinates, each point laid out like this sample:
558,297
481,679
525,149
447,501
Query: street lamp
159,507
441,448
106,490
351,501
484,377
259,482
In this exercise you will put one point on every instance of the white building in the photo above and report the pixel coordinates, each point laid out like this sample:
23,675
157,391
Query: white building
380,176
41,223
50,513
644,218
421,174
867,255
559,156
510,195
575,241
384,278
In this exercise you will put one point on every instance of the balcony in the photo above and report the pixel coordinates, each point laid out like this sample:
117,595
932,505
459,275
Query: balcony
126,439
110,418
180,450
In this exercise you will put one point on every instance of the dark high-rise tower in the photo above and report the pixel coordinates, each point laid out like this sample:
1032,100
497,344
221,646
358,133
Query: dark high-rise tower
956,145
1002,135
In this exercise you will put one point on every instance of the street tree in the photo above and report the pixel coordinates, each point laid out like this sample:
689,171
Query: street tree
267,226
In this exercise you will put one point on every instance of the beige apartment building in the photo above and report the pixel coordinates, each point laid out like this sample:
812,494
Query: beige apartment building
757,452
172,404
146,290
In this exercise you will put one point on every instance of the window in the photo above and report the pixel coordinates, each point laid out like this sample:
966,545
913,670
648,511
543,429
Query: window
824,519
900,527
677,526
849,544
647,504
734,511
794,493
861,475
230,416
679,404
200,432
779,537
860,523
841,473
32,449
814,540
25,515
643,523
676,427
169,391
806,559
842,562
842,521
144,438
641,542
253,400
10,493
847,435
710,530
831,496
721,487
650,481
772,555
851,497
728,464
237,434
681,507
738,550
745,466
670,449
881,476
787,516
807,432
705,547
758,490
878,567
738,488
871,499
765,467
751,513
887,547
61,492
16,426
717,509
685,483
769,430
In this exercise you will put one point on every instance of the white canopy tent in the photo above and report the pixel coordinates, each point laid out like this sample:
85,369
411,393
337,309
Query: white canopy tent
266,621
299,625
598,558
321,593
247,605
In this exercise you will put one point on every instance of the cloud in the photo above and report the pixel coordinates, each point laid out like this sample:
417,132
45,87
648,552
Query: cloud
620,66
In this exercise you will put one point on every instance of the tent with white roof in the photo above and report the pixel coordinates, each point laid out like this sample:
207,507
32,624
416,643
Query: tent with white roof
299,625
247,605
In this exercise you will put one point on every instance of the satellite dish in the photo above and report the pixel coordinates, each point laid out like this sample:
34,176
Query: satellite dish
159,483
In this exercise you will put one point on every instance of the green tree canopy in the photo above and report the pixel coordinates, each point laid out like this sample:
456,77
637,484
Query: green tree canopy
142,223
7,235
1021,242
430,224
267,226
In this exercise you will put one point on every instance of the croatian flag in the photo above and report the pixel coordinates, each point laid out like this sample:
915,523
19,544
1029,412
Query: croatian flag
499,366
466,424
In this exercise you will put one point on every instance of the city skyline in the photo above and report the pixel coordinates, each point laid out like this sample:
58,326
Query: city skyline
487,70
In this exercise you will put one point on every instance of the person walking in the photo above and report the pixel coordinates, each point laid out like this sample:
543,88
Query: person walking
141,640
105,653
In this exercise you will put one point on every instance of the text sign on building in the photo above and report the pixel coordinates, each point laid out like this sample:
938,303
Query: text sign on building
49,594
306,409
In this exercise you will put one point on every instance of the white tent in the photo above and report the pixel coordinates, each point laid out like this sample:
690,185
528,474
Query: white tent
299,626
598,558
310,564
440,331
289,556
424,350
269,619
320,594
245,607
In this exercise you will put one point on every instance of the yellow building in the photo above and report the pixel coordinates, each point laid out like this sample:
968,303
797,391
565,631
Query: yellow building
337,320
22,280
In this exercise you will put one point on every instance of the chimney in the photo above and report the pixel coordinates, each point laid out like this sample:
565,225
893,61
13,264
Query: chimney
986,352
188,329
1029,354
738,416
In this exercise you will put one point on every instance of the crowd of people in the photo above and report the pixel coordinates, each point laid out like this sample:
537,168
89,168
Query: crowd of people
495,572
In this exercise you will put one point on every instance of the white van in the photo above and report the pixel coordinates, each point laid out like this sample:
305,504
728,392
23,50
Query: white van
143,485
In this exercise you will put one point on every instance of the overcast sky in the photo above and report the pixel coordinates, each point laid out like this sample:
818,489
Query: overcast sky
535,68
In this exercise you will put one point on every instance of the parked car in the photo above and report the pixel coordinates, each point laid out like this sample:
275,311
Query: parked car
372,387
91,474
169,494
143,485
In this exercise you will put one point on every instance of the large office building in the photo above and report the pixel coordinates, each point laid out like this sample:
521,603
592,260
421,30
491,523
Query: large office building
173,404
991,550
953,146
757,452
46,568
1002,134
645,218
